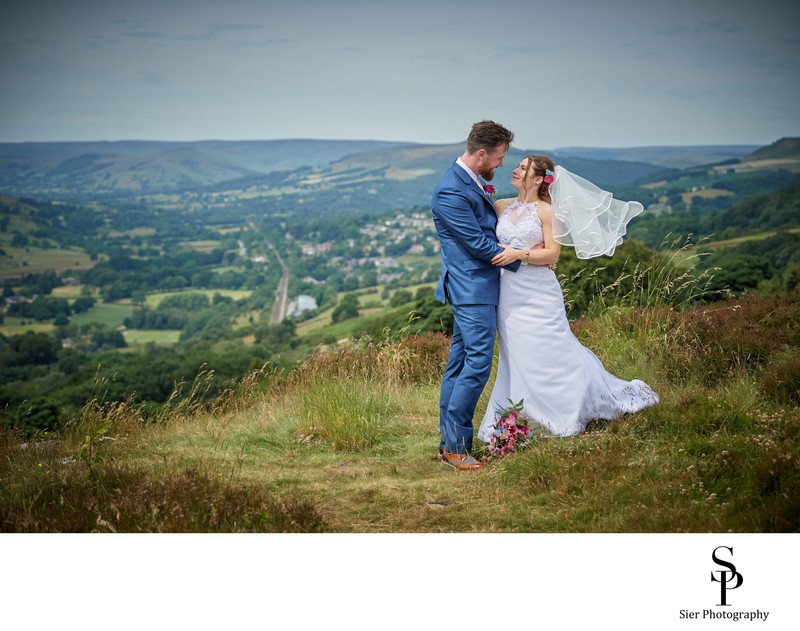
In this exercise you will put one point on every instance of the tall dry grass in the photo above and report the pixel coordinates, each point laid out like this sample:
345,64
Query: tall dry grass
673,278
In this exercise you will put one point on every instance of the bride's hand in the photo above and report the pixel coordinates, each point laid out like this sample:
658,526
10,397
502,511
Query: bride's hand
507,256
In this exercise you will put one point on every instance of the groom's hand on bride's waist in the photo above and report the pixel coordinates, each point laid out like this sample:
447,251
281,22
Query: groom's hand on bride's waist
509,255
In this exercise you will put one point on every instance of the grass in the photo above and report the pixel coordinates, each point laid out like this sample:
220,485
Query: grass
347,443
21,261
106,313
202,246
718,245
790,164
706,193
154,299
72,292
18,326
135,337
671,280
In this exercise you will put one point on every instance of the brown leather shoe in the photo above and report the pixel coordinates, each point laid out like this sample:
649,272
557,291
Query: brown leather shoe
461,462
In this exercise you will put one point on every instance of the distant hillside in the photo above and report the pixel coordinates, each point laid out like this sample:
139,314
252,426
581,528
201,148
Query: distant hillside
408,162
95,173
783,155
312,177
91,168
389,178
679,157
783,148
251,154
286,155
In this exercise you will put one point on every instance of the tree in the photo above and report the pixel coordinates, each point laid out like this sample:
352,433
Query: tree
346,309
34,348
82,304
740,271
19,240
277,335
400,297
370,278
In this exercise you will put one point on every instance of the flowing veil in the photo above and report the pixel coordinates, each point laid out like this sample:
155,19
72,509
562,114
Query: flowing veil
586,217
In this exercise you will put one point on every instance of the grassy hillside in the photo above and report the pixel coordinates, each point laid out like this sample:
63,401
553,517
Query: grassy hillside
783,148
665,156
347,443
132,167
366,173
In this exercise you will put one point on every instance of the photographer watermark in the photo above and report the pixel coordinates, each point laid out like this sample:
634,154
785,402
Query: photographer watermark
729,579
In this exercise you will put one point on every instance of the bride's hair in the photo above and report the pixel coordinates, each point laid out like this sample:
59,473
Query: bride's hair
541,165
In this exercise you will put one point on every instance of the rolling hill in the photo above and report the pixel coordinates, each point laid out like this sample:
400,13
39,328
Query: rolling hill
284,177
783,148
121,168
143,167
394,177
679,157
783,154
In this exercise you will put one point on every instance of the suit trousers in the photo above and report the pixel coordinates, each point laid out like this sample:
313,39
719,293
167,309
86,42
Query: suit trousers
468,368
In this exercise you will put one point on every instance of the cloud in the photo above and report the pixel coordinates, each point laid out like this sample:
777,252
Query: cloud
144,35
717,26
215,30
521,50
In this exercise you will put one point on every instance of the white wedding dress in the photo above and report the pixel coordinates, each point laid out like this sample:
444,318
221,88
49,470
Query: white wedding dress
563,384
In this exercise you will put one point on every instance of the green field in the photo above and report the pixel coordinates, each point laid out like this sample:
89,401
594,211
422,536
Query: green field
21,261
714,245
71,292
153,300
19,326
243,320
109,314
202,246
141,337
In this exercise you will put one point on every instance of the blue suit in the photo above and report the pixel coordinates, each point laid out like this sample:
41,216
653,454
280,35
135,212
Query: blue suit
465,223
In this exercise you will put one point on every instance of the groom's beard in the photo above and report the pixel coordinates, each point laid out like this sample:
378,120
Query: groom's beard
488,176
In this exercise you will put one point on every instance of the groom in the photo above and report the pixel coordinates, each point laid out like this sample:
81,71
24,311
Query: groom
465,223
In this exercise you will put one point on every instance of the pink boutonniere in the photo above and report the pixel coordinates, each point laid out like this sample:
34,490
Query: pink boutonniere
489,190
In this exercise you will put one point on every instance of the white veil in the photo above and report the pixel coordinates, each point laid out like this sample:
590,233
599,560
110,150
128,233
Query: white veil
586,217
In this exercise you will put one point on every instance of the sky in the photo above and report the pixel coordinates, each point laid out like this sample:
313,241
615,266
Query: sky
611,73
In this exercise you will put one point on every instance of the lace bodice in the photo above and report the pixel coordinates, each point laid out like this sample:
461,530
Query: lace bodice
519,226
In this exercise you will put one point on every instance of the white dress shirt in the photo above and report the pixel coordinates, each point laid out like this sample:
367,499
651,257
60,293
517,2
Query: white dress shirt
475,178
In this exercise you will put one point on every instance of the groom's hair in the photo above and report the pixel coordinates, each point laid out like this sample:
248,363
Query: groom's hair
488,135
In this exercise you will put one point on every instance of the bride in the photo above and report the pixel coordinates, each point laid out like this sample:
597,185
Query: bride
563,384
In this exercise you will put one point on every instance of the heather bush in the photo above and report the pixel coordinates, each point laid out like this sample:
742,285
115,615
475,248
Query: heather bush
780,379
742,333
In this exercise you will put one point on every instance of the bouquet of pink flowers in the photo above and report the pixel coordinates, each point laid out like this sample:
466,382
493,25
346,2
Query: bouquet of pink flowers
512,430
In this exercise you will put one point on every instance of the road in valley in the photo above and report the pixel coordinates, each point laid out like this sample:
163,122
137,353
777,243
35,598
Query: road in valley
282,295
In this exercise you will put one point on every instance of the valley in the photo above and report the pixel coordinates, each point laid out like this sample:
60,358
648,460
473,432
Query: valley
118,257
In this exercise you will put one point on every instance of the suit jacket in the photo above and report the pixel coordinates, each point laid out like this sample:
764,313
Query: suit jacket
465,223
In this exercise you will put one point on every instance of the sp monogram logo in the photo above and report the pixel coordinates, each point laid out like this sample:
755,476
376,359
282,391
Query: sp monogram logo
726,577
